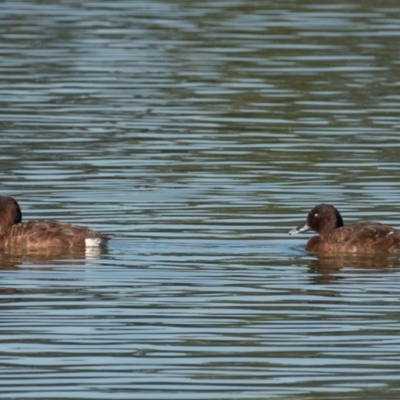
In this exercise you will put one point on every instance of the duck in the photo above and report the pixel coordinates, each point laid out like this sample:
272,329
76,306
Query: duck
334,237
41,234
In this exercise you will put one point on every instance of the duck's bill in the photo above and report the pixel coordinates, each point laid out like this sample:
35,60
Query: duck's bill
302,228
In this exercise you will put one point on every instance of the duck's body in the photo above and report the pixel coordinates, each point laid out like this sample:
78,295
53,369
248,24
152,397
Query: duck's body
363,237
41,234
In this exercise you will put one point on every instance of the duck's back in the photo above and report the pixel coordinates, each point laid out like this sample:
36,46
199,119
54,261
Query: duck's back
364,237
45,234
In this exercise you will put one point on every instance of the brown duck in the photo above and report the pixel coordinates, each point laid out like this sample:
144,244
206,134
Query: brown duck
363,237
41,234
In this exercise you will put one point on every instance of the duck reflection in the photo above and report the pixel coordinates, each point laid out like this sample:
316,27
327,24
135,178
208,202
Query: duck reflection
14,259
326,268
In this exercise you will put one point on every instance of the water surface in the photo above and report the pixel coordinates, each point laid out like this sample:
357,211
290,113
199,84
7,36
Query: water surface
197,135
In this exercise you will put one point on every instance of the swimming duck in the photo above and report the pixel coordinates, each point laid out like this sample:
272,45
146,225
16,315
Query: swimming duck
41,234
333,237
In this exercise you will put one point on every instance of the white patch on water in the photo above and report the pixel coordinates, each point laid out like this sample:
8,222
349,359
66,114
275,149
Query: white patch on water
93,242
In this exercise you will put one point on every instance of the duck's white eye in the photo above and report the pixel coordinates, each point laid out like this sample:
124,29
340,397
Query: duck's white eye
316,215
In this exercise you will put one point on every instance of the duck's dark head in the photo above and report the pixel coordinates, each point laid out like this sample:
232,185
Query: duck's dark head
322,219
10,213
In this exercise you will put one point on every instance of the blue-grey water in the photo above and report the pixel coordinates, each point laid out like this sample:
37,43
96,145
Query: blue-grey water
196,135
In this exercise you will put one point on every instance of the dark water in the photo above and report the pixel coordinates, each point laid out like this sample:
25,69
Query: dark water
197,134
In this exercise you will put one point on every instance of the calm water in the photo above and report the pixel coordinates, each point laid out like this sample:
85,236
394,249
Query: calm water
197,134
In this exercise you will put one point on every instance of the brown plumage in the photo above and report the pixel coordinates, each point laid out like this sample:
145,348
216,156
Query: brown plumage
363,237
41,234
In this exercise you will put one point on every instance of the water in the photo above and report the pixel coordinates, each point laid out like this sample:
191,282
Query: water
198,135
